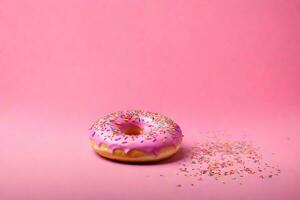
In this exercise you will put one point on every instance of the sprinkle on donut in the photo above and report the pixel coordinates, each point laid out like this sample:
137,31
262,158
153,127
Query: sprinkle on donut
135,129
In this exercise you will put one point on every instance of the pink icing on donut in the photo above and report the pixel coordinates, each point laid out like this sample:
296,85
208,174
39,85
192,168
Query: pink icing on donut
136,129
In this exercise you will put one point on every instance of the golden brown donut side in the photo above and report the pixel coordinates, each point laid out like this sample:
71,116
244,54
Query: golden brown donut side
134,155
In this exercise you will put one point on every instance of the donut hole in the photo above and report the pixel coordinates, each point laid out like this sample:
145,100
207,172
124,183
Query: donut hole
130,129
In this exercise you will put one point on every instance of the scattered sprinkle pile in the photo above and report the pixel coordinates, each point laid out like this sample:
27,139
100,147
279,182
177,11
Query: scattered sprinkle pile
224,161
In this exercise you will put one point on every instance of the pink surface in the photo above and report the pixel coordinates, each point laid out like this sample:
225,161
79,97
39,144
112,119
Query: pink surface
210,65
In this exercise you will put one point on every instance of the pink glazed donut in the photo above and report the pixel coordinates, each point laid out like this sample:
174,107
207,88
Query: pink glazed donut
135,136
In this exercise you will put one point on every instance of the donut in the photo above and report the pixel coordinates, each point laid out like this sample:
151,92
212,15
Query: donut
135,136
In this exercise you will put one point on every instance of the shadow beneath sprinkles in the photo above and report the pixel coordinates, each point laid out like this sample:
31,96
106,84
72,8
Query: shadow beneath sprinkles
180,155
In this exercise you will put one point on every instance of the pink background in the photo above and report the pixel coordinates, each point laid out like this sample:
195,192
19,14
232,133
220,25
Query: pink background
210,65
